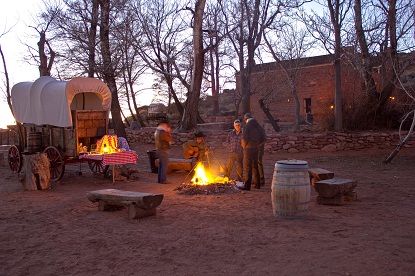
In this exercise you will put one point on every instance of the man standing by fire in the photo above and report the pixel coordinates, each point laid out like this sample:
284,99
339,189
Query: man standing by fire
236,154
252,137
163,138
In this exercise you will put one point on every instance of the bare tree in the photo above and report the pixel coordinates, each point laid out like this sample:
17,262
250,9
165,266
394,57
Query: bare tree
189,119
246,22
379,40
163,44
131,65
329,29
74,32
338,11
410,92
214,31
92,38
109,69
44,55
6,80
288,47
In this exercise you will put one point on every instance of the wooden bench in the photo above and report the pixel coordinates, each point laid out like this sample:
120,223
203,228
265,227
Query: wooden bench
177,164
139,204
335,191
317,174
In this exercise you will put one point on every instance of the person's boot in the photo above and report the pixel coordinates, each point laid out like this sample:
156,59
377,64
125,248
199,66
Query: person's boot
243,187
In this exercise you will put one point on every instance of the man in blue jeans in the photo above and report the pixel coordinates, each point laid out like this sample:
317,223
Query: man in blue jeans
252,137
163,138
236,154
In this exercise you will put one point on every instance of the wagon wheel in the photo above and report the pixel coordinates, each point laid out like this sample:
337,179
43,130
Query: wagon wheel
15,159
97,167
57,166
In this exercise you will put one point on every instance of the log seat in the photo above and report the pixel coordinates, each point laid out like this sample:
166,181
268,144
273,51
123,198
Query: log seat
139,204
177,164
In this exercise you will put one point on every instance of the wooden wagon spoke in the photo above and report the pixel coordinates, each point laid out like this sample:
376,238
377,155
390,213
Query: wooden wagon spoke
97,167
15,159
57,165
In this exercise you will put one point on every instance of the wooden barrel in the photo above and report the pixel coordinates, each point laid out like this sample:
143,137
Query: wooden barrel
290,190
34,142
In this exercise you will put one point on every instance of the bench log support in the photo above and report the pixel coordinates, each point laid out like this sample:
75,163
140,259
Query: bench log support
177,164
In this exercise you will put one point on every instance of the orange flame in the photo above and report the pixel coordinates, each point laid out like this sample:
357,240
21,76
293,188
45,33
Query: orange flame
204,177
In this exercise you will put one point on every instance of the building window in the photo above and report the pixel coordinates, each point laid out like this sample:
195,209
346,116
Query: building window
307,105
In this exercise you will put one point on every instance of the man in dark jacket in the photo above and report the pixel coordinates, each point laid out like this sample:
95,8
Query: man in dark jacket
252,138
163,138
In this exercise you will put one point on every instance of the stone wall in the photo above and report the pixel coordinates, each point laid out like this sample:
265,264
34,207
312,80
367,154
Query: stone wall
278,142
290,142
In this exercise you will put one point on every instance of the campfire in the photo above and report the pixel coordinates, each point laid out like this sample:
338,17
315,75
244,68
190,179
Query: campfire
204,181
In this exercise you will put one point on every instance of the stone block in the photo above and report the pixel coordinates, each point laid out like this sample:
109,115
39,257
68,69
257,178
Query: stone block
317,174
332,187
335,200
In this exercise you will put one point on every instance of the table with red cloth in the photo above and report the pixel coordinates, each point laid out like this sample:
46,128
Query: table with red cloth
115,158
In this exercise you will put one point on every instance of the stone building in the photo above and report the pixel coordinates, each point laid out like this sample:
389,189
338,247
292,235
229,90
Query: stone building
315,88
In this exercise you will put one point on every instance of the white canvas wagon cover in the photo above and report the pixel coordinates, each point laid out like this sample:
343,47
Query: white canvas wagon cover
48,101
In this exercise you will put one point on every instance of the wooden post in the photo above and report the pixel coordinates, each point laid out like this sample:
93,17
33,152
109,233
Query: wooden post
35,173
2,163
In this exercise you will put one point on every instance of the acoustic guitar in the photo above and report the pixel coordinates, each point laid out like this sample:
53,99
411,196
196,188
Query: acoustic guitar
191,152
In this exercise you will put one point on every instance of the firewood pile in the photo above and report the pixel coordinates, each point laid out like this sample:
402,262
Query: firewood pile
212,188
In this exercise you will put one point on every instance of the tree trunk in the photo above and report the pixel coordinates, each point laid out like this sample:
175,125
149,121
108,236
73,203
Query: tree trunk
190,115
271,119
215,97
214,75
35,174
297,104
92,37
335,20
109,75
179,106
44,66
369,83
7,82
372,111
403,141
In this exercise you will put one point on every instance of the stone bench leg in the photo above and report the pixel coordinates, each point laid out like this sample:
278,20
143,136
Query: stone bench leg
135,212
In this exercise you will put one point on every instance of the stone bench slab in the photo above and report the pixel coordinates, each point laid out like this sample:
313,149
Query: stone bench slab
332,187
320,174
317,174
139,204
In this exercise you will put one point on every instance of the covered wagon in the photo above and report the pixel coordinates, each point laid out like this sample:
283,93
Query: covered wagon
59,118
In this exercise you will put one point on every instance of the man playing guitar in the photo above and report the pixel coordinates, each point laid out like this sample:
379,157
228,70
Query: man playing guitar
197,149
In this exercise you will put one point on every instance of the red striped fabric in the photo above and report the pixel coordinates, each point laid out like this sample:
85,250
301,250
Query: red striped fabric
125,157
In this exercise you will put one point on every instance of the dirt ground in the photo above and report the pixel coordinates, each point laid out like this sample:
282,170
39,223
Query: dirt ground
60,232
